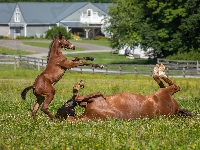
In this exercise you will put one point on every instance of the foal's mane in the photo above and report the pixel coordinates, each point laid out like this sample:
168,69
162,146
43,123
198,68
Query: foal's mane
50,49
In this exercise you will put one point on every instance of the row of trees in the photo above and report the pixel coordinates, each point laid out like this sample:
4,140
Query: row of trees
168,27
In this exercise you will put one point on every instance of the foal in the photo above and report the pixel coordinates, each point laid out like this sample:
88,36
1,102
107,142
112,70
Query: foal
126,105
56,66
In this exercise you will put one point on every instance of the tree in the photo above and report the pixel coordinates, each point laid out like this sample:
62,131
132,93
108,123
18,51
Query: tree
55,30
166,26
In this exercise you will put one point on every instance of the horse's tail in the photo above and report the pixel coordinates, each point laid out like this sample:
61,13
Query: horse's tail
185,113
23,94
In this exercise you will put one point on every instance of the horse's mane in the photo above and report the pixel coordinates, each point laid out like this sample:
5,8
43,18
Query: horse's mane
50,49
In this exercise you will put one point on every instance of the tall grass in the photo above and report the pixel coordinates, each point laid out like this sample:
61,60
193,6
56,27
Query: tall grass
19,131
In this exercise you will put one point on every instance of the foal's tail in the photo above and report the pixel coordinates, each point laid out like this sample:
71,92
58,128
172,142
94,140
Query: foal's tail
185,113
23,94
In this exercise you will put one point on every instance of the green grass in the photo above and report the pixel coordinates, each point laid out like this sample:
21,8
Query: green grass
107,58
9,51
102,42
19,131
46,43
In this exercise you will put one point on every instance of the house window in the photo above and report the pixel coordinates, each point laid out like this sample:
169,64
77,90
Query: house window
89,11
17,15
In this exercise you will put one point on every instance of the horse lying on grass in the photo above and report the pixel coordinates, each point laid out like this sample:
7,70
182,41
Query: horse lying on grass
125,105
56,66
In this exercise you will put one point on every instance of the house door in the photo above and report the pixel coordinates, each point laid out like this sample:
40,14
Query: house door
17,32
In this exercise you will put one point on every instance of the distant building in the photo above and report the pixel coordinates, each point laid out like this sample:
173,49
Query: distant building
35,18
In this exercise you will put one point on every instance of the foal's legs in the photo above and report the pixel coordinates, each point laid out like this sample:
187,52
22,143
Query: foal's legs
36,106
45,97
84,58
48,98
71,64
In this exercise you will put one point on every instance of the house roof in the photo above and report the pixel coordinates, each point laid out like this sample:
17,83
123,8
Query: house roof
44,12
6,12
50,12
103,6
73,24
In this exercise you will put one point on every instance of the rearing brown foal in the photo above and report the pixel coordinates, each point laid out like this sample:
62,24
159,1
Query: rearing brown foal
56,66
126,105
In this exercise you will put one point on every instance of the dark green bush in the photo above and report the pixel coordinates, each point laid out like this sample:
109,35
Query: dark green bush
185,56
23,37
55,30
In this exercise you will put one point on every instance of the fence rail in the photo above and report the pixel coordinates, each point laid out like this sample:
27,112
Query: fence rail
182,68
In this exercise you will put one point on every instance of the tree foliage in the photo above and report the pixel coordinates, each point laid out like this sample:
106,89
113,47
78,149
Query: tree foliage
55,30
168,27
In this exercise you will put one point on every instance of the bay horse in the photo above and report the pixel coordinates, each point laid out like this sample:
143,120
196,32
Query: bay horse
56,66
125,105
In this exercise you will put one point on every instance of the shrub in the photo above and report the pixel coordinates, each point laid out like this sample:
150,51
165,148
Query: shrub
23,37
99,37
185,56
76,37
55,30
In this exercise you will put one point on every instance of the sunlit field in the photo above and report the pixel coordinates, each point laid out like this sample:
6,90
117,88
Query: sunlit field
19,131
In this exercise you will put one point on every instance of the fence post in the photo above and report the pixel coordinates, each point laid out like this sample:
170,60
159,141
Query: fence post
38,64
106,66
183,71
15,63
92,70
81,69
135,69
120,69
150,70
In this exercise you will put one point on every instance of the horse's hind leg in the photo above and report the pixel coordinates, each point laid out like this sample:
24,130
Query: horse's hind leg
161,72
36,106
174,88
156,76
45,105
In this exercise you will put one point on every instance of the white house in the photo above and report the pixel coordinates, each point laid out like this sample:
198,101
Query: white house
35,18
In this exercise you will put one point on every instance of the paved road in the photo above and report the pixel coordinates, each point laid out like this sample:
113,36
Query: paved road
40,52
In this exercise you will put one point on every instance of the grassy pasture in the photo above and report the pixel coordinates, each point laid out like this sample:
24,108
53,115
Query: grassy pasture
45,43
9,51
19,131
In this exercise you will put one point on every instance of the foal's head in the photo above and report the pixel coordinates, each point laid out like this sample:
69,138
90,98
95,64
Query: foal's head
64,43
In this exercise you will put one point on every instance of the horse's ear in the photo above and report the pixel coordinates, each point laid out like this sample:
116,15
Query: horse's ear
60,35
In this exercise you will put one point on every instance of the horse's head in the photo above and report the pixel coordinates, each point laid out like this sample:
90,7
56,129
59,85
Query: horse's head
64,43
66,110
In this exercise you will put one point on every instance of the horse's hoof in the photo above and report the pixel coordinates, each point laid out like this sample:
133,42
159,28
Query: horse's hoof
155,70
101,66
89,58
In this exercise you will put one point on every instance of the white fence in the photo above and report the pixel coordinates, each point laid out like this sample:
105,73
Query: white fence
173,67
184,67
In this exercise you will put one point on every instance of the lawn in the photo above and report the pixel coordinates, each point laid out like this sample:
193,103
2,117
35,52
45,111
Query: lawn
45,43
9,51
19,131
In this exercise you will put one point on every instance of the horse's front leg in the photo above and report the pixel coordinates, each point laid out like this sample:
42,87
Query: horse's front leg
84,58
72,64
